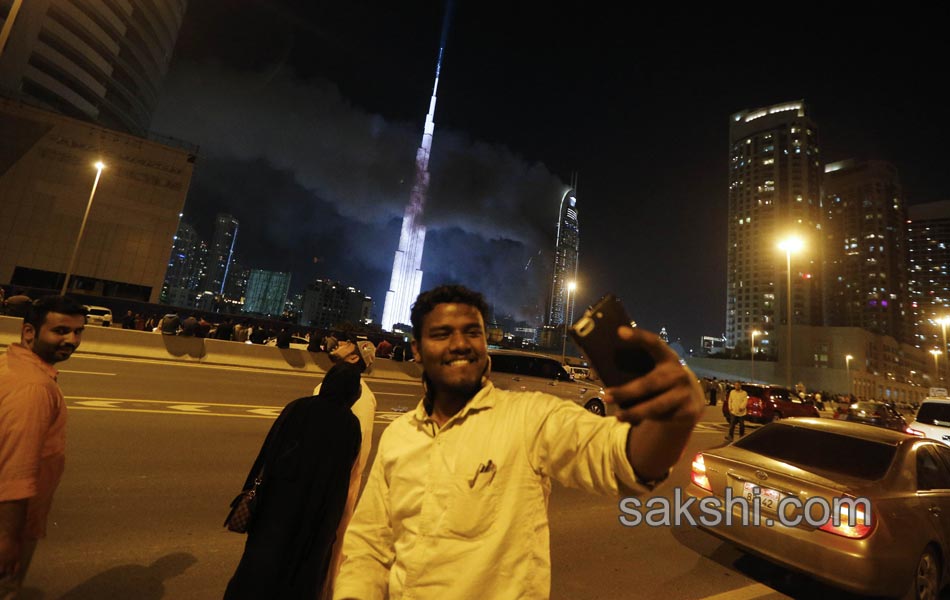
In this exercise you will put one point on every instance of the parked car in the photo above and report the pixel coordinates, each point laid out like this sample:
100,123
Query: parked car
875,413
98,315
933,420
899,541
526,371
770,402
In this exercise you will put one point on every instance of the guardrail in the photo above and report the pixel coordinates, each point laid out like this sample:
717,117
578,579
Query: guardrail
114,341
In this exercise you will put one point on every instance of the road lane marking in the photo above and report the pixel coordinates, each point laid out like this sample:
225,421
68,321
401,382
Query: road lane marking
197,408
267,412
270,370
756,590
167,407
99,403
85,372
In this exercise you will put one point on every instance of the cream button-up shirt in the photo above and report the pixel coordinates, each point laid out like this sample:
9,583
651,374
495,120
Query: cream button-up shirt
461,511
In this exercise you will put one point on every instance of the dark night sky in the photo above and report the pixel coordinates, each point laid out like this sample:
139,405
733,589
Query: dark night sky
308,115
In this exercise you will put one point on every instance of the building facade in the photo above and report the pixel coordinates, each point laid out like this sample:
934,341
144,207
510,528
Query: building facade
184,268
46,179
96,61
774,192
865,278
327,304
220,253
928,241
266,292
566,255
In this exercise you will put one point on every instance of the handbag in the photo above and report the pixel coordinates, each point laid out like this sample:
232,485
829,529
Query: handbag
243,506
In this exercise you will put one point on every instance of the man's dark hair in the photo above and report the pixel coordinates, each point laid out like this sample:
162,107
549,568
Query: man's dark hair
52,304
444,294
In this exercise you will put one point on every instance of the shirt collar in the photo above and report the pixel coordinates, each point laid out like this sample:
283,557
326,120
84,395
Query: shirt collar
482,400
21,352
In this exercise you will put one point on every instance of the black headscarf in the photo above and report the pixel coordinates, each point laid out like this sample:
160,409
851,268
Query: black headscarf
342,384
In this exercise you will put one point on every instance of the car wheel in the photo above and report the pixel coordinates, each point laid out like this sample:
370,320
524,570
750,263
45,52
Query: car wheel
596,406
926,582
775,417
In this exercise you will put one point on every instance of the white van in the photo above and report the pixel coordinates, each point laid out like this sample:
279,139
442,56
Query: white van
933,419
98,315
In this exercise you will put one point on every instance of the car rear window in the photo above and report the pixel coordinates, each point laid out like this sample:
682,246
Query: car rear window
99,312
822,450
934,413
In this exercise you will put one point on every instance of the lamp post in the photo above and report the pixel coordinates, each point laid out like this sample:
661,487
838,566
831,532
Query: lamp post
847,366
936,354
82,227
571,286
943,328
754,333
789,245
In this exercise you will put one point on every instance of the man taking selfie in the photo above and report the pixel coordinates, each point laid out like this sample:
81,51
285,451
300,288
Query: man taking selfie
456,502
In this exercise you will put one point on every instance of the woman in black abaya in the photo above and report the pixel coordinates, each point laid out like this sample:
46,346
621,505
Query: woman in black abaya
307,458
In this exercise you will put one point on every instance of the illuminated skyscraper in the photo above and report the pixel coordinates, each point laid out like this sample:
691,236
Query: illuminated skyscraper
928,232
865,245
221,254
406,278
774,191
565,261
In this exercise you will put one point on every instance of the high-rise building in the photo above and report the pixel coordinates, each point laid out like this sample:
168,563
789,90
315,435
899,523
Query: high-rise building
406,279
774,192
221,253
328,303
266,292
928,244
184,268
95,61
865,280
565,261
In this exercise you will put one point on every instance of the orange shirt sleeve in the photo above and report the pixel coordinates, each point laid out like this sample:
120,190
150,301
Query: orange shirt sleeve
26,413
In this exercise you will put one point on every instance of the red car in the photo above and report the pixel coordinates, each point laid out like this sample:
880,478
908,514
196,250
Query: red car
770,402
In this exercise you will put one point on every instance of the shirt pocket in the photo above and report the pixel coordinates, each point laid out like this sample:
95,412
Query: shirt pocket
473,504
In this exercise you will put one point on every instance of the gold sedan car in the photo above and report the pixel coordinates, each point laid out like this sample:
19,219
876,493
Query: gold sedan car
862,508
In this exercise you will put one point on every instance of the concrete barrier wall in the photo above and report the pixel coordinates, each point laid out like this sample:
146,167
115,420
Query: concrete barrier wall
112,341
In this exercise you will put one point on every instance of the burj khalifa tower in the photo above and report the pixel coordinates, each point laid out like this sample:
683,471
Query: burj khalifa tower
406,281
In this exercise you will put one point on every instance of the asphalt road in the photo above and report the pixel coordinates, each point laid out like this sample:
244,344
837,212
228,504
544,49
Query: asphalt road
156,451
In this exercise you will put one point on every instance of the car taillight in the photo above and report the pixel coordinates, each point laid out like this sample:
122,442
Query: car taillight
863,525
912,431
699,472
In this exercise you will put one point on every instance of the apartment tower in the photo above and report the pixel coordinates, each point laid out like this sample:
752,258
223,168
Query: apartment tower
774,192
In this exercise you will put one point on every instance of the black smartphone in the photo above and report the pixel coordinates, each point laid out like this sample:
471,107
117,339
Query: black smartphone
596,333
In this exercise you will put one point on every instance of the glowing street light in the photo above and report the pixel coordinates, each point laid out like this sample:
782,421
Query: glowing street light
82,227
571,286
943,328
789,245
753,333
847,365
936,354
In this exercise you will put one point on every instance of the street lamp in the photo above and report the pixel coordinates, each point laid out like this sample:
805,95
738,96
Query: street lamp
847,366
571,286
82,227
936,353
789,245
943,328
754,333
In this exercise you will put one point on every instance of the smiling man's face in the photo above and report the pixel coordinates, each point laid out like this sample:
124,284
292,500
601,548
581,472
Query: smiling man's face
452,349
57,338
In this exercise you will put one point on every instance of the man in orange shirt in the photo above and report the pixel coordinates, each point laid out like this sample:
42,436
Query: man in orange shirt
32,431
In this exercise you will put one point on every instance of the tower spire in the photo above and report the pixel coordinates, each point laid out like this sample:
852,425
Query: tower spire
406,280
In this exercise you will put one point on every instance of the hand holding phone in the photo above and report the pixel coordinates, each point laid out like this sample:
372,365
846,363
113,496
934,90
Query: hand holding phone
595,332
